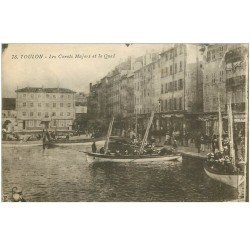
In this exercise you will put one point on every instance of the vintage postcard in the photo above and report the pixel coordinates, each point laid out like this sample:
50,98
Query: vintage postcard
124,122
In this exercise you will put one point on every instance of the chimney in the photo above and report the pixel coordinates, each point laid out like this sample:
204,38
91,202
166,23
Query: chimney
90,86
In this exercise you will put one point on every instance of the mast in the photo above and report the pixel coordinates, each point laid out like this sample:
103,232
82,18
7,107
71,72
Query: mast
230,130
220,124
146,133
108,135
136,123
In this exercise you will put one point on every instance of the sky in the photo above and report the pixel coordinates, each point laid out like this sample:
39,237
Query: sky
54,71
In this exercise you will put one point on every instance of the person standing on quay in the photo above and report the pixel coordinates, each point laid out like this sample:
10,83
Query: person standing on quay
202,141
198,143
94,147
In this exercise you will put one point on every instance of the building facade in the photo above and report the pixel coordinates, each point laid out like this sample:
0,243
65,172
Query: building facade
181,81
80,123
225,74
236,61
40,107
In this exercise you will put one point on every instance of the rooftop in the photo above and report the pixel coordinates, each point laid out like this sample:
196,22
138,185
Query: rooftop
45,90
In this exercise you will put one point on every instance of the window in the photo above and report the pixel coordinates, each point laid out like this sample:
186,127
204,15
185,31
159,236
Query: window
69,96
166,56
24,95
166,88
69,104
24,104
61,96
31,123
213,78
161,89
171,69
46,114
170,104
170,55
61,105
180,66
175,68
213,54
39,114
54,105
39,96
68,114
24,113
47,95
181,50
32,96
61,113
166,71
54,96
166,104
161,103
39,105
31,113
53,113
47,105
174,104
175,86
31,104
180,83
175,52
180,103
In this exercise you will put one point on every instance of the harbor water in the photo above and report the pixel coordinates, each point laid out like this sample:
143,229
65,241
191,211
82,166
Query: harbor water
63,174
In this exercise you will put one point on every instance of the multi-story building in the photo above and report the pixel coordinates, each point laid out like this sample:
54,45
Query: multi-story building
93,105
54,107
127,93
180,97
214,78
80,123
225,74
236,83
9,114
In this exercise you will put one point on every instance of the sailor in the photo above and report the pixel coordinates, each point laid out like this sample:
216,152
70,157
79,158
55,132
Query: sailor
94,147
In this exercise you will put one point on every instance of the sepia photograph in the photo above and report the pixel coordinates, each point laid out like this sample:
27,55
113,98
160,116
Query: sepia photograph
125,122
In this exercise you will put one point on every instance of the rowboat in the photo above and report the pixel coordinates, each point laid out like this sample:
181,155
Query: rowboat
233,179
96,157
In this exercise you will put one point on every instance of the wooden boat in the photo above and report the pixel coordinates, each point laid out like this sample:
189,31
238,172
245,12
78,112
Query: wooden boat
137,158
232,178
96,157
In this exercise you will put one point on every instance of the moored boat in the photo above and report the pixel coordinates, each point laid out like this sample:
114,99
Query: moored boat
226,169
96,157
139,156
233,179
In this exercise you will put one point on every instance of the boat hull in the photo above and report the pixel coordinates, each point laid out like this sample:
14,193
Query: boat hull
91,158
233,180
